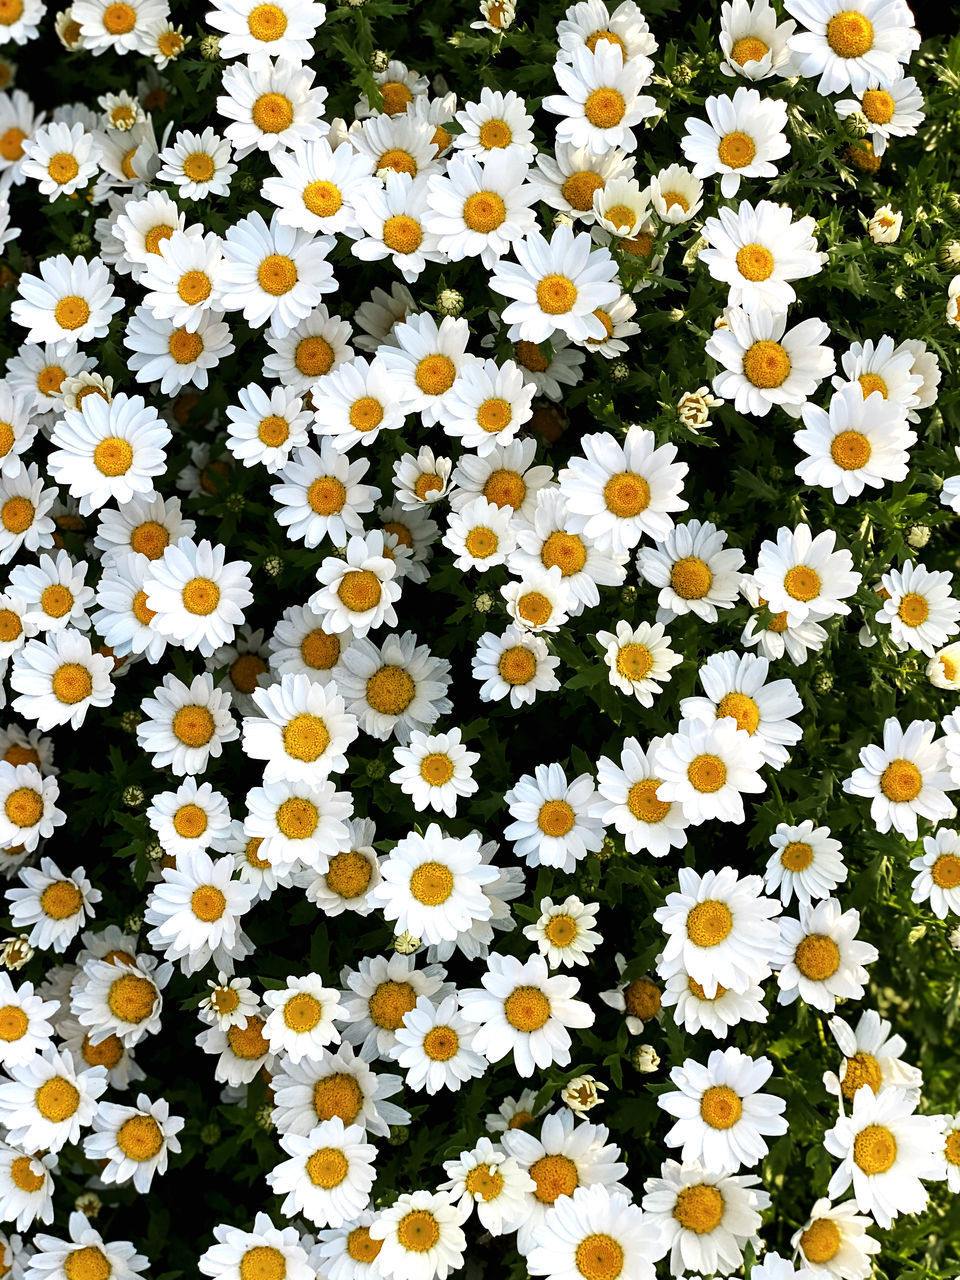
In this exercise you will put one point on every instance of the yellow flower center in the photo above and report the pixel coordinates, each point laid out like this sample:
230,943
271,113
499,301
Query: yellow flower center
113,456
952,1147
913,609
741,708
248,1042
494,414
366,413
56,600
766,364
431,883
88,1263
517,665
119,19
302,1012
396,97
263,1262
850,34
484,1181
193,726
642,999
208,903
821,1241
23,1176
13,1023
850,450
132,998
671,198
326,495
802,583
399,161
57,1099
322,198
626,495
272,113
319,650
361,1247
348,874
63,167
484,211
185,347
17,514
599,1257
691,578
709,923
390,690
359,590
402,234
505,489
535,608
556,294
71,312
427,483
194,287
901,781
440,1044
605,108
150,539
314,357
699,1208
495,135
720,1107
748,49
643,803
297,818
327,1168
707,773
555,1176
435,374
198,166
24,807
11,11
155,236
190,821
337,1095
556,818
817,957
945,872
622,216
565,550
754,262
61,900
305,737
736,150
277,274
390,1003
436,769
71,683
861,1069
526,1008
796,856
418,1231
140,1138
634,661
611,37
874,1149
266,22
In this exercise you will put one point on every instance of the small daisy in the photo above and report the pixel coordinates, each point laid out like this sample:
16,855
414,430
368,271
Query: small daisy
26,1187
708,766
198,164
918,607
521,1010
741,138
638,1000
237,1252
753,43
422,1237
273,274
394,688
421,479
488,406
302,1017
556,284
515,665
480,535
695,1011
186,725
436,770
846,47
619,492
487,1178
117,1004
594,1233
350,875
883,366
394,226
195,912
834,1243
62,158
229,1003
705,1218
28,809
906,778
176,356
24,504
250,27
300,729
59,678
871,1059
480,209
337,1084
192,818
184,280
47,1101
329,1174
938,873
554,821
272,103
497,122
820,958
630,801
25,1023
17,431
549,541
804,576
197,596
119,27
267,426
885,1149
675,194
134,1143
720,929
694,571
72,300
600,99
736,686
856,442
590,22
146,526
300,644
86,1247
399,144
564,933
322,495
426,362
109,451
894,110
311,349
299,823
242,1050
434,1046
55,592
541,602
757,251
358,593
806,861
318,188
39,372
504,476
766,365
355,402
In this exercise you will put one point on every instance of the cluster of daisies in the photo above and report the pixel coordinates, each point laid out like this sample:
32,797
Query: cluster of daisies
554,226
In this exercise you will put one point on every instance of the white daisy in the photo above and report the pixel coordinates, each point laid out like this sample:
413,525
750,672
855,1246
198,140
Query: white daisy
176,356
61,157
312,348
195,911
708,766
871,1059
394,688
854,443
766,365
26,1026
26,1187
198,164
487,1178
736,686
675,194
434,1046
300,729
274,274
193,817
252,27
300,644
564,933
435,770
894,109
86,1247
594,1233
336,1084
242,1049
329,1174
554,820
422,1237
820,958
59,678
630,801
298,822
185,725
272,103
134,1142
119,27
302,1017
318,188
322,495
806,861
479,209
47,1102
265,1246
515,665
906,778
757,251
705,1218
496,122
918,607
71,300
741,138
421,479
694,571
24,504
355,402
197,596
834,1242
753,43
28,809
350,875
696,1011
804,576
600,99
358,593
846,44
938,873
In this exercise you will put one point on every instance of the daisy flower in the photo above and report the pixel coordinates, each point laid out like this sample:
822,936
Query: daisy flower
300,729
185,725
548,542
806,861
693,570
335,1084
120,27
541,602
229,1002
871,1059
272,103
345,884
421,479
556,284
675,194
568,178
302,1016
319,189
894,110
435,770
198,597
820,958
479,209
59,678
722,1117
17,431
21,24
521,1010
590,22
284,30
720,929
741,138
25,1023
355,402
905,778
938,873
564,933
300,644
708,766
496,122
918,607
757,251
885,1149
766,365
736,686
26,1187
402,144
554,821
618,492
184,279
883,366
943,669
395,687
753,43
242,1050
86,1247
503,476
630,801
804,576
490,1180
24,504
47,1101
377,997
71,300
638,1000
176,356
28,809
193,817
267,426
311,349
705,1218
322,495
195,912
119,1000
856,442
488,406
298,822
847,46
834,1242
55,592
434,1046
594,1232
515,665
62,158
358,593
329,1174
198,164
422,1237
426,362
393,222
348,1252
600,99
147,525
109,451
135,1143
273,274
18,121
264,1246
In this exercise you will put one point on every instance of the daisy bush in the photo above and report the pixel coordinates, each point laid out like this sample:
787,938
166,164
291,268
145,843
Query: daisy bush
479,640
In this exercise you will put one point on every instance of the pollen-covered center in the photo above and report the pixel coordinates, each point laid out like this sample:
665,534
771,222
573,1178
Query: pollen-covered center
266,22
755,262
850,450
435,374
327,1168
691,578
699,1208
526,1009
198,166
742,708
556,294
605,108
748,49
57,1099
484,211
305,737
337,1095
190,821
208,903
193,726
505,488
359,590
24,807
348,874
642,999
484,1181
132,998
402,234
817,957
802,583
861,1069
200,596
599,1257
709,923
418,1231
913,609
61,900
431,883
578,189
440,1044
626,495
517,665
901,781
736,149
87,1263
23,1176
13,1023
766,364
720,1107
248,1043
71,312
71,683
534,608
850,34
63,167
436,769
796,856
643,803
706,773
297,818
272,113
17,514
390,690
277,274
361,1246
140,1138
555,1176
821,1241
366,413
556,818
302,1012
634,661
945,872
874,1149
314,356
494,135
